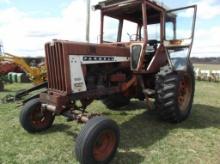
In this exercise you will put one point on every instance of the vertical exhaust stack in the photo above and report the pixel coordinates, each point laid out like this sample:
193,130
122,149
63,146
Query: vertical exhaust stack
1,48
88,21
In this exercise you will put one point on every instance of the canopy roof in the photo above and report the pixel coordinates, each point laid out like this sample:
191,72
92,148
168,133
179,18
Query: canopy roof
132,10
111,2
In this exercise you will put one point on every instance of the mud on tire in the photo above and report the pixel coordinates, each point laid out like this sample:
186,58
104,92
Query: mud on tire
174,93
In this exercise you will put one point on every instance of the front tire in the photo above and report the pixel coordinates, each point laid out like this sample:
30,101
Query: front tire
33,119
98,141
174,93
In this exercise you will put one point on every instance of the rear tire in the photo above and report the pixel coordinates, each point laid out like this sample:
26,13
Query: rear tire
98,141
116,101
33,119
174,94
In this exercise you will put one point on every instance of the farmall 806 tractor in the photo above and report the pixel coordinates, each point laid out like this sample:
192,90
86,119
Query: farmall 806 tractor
115,71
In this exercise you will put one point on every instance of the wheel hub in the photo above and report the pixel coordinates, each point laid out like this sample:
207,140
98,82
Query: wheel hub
104,145
39,118
185,91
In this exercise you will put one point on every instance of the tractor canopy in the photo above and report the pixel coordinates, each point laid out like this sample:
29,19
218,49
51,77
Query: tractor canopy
155,25
132,10
141,13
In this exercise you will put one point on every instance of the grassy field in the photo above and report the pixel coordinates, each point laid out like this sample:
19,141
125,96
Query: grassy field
144,139
208,66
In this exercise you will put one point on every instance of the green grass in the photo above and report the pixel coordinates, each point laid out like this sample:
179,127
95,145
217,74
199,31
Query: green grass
11,89
144,139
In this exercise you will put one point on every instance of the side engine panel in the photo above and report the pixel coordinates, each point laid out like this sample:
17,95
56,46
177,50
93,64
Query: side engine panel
94,72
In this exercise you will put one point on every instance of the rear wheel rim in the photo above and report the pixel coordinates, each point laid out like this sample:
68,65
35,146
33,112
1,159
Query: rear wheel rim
104,145
185,92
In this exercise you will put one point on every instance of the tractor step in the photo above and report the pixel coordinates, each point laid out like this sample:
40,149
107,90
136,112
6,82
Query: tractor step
149,92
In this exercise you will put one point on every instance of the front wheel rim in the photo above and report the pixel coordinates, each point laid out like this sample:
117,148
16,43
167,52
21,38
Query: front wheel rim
39,118
104,145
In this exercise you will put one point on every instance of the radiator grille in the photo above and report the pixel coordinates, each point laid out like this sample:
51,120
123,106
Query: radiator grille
55,67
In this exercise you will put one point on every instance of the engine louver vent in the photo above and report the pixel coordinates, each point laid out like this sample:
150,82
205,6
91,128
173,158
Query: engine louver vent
55,67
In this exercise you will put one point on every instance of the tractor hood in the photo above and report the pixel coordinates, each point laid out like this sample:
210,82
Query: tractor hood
64,56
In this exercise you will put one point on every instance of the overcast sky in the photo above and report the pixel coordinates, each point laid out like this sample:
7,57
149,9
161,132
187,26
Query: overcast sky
26,25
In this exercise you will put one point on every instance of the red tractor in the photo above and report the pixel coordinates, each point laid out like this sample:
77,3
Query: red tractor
152,63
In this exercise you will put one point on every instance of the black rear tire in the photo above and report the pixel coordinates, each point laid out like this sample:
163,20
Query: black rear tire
174,93
116,101
98,141
33,119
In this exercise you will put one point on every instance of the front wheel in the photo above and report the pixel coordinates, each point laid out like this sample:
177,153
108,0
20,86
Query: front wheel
97,141
174,93
33,118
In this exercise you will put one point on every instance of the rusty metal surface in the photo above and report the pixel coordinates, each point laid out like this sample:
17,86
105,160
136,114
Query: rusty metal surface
135,13
59,82
119,77
127,85
55,65
61,102
94,94
57,59
58,100
159,59
78,48
143,12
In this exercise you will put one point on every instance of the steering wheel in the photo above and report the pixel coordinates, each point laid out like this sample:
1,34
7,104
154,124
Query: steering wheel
134,37
153,42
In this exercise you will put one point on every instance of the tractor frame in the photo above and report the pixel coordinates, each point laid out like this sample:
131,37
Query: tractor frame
115,72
